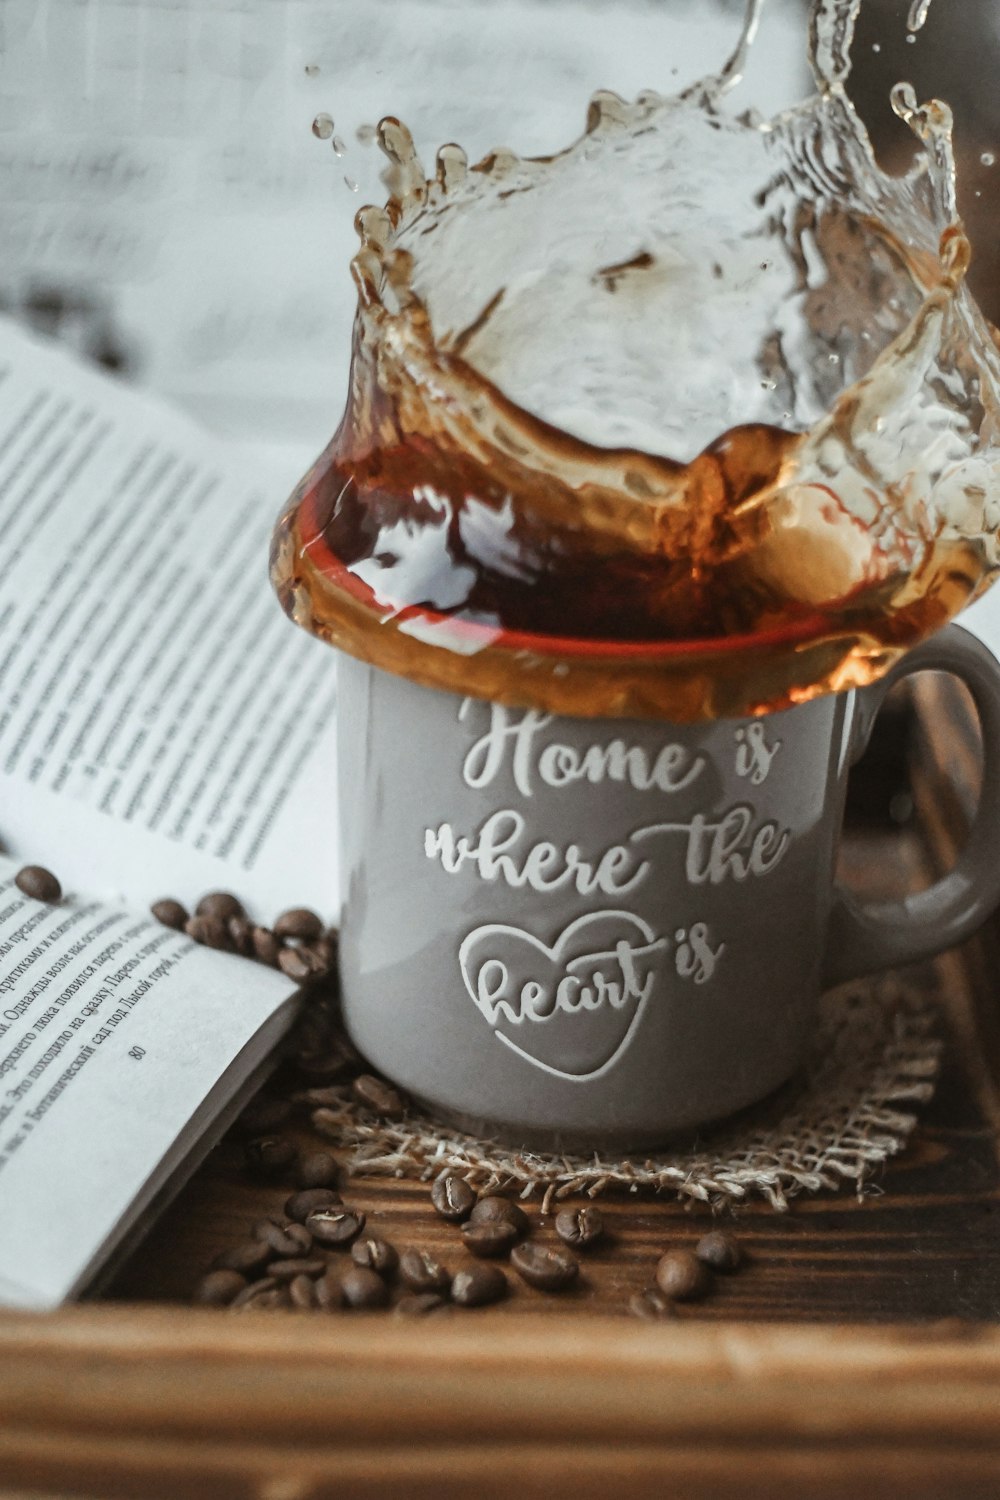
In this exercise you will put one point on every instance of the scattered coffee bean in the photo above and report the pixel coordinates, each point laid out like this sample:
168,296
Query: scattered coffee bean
719,1250
295,963
580,1227
283,1238
476,1286
326,1291
286,1270
246,1258
375,1094
453,1198
651,1305
375,1255
218,1288
681,1275
335,1225
422,1273
299,922
302,1293
548,1270
170,912
300,1205
489,1238
219,904
211,932
266,947
252,1293
268,1301
496,1209
362,1288
240,935
38,883
265,1116
269,1155
420,1305
317,1169
324,954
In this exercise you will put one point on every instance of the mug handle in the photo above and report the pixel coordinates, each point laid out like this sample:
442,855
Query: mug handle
865,936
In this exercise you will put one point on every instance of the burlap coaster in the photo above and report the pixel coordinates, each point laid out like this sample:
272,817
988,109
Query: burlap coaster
836,1123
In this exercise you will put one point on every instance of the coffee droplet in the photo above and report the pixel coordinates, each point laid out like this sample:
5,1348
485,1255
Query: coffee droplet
322,127
988,158
338,146
350,182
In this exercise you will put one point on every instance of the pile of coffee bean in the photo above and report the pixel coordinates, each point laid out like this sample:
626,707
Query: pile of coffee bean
318,1254
297,942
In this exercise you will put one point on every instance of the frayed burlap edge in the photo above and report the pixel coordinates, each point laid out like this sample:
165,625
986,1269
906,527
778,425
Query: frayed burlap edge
873,1052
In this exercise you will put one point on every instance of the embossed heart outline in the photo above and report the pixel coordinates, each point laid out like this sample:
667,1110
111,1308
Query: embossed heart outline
553,953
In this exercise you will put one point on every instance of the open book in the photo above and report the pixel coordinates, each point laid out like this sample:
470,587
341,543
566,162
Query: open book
163,731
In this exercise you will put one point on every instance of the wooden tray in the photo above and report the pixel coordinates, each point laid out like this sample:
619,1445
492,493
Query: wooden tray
858,1354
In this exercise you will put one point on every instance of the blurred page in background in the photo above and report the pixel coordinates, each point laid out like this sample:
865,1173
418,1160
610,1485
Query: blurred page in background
164,204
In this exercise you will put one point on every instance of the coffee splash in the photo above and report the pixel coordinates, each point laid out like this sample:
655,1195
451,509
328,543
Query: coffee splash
695,418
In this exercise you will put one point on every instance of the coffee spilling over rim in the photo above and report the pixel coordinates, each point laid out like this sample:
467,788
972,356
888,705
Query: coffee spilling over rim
696,418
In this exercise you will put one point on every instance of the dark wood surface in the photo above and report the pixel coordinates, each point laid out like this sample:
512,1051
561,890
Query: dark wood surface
923,1242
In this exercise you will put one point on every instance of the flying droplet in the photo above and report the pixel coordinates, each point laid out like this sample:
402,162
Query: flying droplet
917,16
876,46
322,127
911,38
351,184
988,159
312,69
338,146
834,359
769,385
366,134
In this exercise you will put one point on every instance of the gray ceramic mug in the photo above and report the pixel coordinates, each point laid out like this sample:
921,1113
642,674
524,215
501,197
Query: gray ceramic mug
598,933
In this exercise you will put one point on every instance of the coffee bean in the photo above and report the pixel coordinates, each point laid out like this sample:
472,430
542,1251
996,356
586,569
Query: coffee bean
295,963
317,1169
219,904
651,1305
362,1288
420,1305
246,1258
580,1227
375,1255
170,912
375,1094
211,932
476,1286
324,956
489,1238
299,922
265,1116
38,883
269,1155
719,1250
300,1205
302,1293
681,1275
254,1292
422,1273
496,1209
284,1238
548,1270
326,1291
453,1198
273,1299
266,947
240,935
218,1288
300,1265
335,1225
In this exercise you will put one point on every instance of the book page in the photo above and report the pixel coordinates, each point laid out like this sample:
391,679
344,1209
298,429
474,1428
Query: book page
164,729
114,1032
